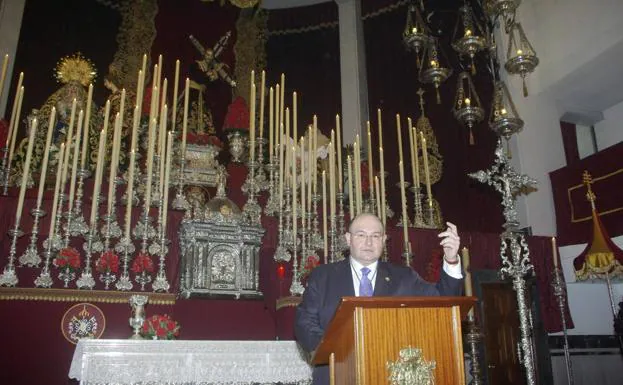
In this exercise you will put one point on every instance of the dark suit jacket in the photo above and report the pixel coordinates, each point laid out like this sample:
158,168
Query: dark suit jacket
328,283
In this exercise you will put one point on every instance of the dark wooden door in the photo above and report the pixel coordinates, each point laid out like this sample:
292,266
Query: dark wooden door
502,335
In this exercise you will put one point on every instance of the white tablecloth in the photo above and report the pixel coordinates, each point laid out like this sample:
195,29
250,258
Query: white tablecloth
188,362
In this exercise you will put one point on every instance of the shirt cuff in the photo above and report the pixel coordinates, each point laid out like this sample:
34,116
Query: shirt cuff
453,271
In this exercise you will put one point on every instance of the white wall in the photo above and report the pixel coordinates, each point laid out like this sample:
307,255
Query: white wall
10,22
610,130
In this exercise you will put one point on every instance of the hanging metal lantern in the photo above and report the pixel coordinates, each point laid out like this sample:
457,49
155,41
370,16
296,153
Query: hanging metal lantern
415,35
467,108
468,36
504,119
432,70
521,57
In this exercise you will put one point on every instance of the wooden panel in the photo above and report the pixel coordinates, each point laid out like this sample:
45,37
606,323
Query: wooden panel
435,330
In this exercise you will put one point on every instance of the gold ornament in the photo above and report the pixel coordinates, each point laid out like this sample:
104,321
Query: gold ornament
75,68
411,368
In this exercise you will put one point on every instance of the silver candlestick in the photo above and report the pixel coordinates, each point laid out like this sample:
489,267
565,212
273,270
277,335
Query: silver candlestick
341,240
137,302
316,239
45,279
5,181
272,205
260,174
514,249
8,277
161,283
79,225
473,339
86,280
31,255
111,228
418,217
561,296
281,253
126,248
334,249
3,167
252,211
180,202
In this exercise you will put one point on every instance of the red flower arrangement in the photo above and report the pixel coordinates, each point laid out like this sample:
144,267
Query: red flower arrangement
203,139
108,262
237,117
160,327
142,263
67,258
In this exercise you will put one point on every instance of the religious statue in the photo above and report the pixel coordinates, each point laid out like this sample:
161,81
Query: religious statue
75,73
208,69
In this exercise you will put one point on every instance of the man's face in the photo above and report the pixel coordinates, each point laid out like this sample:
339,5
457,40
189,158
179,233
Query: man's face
366,239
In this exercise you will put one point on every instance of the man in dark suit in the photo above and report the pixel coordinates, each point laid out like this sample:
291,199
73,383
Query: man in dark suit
364,275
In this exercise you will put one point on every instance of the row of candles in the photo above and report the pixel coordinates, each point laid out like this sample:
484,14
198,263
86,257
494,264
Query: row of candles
159,155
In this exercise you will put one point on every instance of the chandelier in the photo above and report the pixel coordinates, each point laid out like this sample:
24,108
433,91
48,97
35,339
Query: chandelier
416,34
521,58
468,34
432,70
497,8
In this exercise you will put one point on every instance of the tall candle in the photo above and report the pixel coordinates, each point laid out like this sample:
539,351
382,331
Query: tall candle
295,118
282,97
57,188
5,65
399,134
382,164
554,253
113,162
154,93
403,199
87,120
46,155
176,85
150,164
315,153
252,124
332,174
416,159
167,176
262,91
74,160
281,167
286,142
271,122
130,194
163,119
351,188
163,128
14,118
139,89
68,139
15,125
294,204
338,133
412,151
185,118
25,172
468,274
278,122
311,165
426,170
380,123
135,121
303,188
378,196
370,164
99,167
324,216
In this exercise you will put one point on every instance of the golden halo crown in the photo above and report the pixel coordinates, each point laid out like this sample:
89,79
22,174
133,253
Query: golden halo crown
75,68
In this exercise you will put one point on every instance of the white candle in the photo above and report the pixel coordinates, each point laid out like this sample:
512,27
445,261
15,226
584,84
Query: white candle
416,159
382,169
403,199
167,176
15,125
378,196
56,192
294,204
262,91
278,122
295,118
338,134
130,194
554,253
46,156
324,216
380,123
163,127
114,162
370,164
426,170
351,188
399,134
25,173
282,96
315,154
331,177
271,122
163,119
176,82
74,161
252,124
18,90
150,164
99,166
185,119
281,168
468,274
5,65
303,200
87,120
135,121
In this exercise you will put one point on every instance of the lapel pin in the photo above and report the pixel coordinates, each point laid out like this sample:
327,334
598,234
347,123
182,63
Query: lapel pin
387,279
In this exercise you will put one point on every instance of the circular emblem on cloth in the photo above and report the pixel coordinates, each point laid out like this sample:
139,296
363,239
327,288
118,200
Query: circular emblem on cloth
83,320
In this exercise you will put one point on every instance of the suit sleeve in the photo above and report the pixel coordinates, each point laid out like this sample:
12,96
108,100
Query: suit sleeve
307,328
446,286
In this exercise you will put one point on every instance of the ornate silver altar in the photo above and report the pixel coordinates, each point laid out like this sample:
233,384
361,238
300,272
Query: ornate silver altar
201,165
220,256
189,362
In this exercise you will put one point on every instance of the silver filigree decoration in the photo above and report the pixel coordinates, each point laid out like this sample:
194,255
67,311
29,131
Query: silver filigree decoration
411,368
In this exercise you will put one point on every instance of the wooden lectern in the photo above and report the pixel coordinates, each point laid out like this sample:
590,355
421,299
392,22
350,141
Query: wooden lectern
367,332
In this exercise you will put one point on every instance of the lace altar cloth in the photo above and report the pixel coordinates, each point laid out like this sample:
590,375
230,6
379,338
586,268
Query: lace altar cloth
147,362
